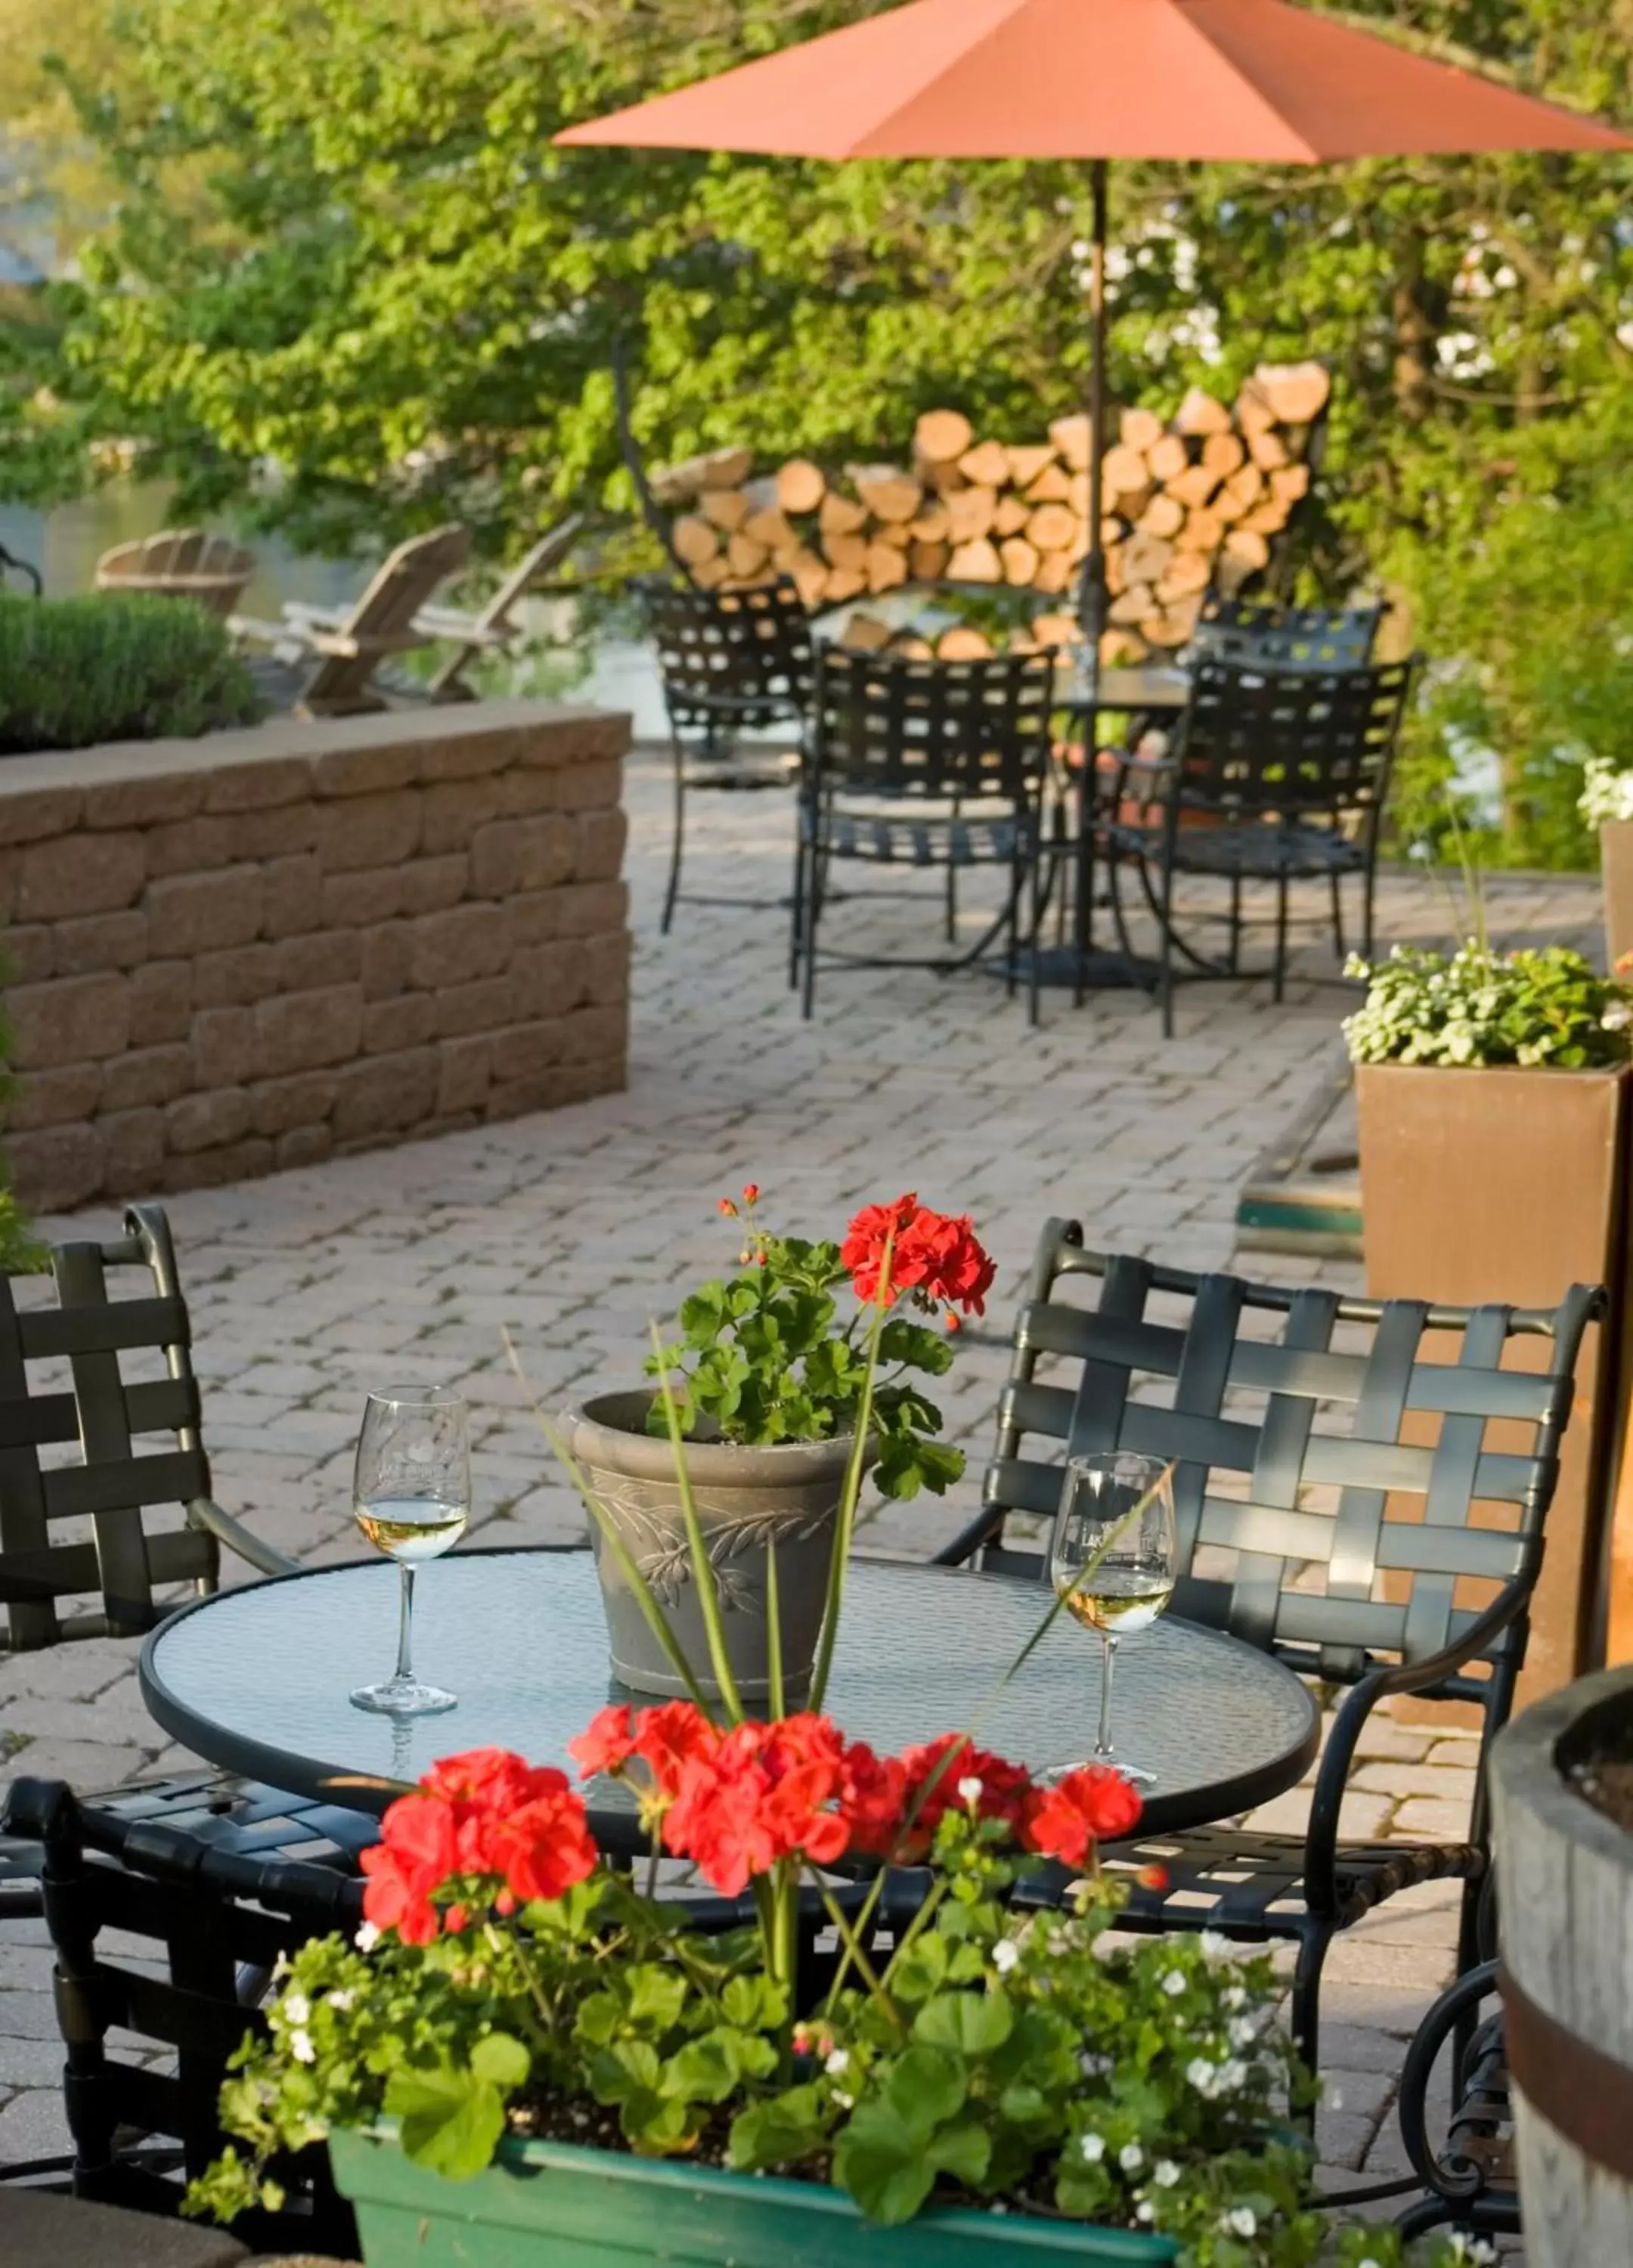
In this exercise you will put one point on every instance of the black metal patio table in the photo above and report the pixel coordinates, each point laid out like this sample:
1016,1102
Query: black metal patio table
257,1679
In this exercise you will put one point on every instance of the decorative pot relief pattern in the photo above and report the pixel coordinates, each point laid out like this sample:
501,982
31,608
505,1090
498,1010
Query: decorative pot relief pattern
658,1545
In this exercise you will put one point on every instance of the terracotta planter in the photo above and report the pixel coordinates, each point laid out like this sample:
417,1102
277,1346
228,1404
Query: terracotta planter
744,1497
548,2205
1615,858
1506,1185
1565,1894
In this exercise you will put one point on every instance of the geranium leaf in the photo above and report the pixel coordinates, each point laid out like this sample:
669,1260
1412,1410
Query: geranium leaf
883,2162
451,2120
969,2023
927,2087
502,2060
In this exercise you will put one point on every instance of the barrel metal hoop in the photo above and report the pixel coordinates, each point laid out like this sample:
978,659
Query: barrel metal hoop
1584,2095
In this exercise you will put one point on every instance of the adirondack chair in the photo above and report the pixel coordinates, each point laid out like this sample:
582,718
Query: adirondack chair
492,629
180,562
348,643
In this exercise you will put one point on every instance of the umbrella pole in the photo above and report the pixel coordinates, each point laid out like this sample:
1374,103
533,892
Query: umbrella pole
1092,591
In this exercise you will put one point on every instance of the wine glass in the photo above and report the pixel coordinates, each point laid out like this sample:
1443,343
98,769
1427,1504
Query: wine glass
411,1492
1113,1559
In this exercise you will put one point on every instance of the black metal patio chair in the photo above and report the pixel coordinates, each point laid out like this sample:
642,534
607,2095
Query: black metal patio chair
1336,1492
925,764
218,1920
1275,775
90,1452
732,662
1283,637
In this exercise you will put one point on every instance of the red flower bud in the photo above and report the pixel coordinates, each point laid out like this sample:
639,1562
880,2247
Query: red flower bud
728,1208
751,1193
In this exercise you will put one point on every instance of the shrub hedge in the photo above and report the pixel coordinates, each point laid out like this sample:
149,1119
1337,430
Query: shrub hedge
110,665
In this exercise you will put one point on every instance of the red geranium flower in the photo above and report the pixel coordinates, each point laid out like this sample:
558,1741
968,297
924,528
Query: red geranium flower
945,1261
545,1846
486,1817
871,1793
606,1742
863,1251
1094,1805
933,1786
416,1854
763,1793
670,1737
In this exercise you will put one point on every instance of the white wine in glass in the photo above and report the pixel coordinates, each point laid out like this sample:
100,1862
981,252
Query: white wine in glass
411,1494
1113,1559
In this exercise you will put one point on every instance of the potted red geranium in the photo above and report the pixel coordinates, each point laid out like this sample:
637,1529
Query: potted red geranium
768,1376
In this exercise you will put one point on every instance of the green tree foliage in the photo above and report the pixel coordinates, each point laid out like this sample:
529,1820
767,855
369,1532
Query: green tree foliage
343,245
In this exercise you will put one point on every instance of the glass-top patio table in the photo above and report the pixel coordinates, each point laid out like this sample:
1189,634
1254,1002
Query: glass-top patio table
257,1679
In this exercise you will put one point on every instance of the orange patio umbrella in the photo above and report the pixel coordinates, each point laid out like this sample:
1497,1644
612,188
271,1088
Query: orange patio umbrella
1099,79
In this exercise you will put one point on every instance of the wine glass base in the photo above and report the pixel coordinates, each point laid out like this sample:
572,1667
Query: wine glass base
1135,1773
404,1696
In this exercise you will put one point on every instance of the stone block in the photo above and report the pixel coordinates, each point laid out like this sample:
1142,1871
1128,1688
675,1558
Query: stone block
482,1006
463,1082
213,1169
303,1031
205,1122
601,848
57,1167
302,1146
30,953
452,810
280,833
201,913
145,1076
55,1098
407,1021
223,1051
522,1050
259,785
546,850
101,941
550,979
81,873
597,786
465,942
527,793
365,771
494,860
607,967
359,901
592,1032
589,909
133,1151
277,1106
198,845
161,1002
294,896
387,958
431,885
38,813
386,1094
476,756
155,802
239,976
358,832
327,957
68,1020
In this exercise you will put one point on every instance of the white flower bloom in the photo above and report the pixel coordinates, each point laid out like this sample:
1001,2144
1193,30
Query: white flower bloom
301,2048
1215,1947
1370,2262
845,2102
1235,1995
1244,2031
281,1967
970,1791
1130,2157
1232,2075
1145,2210
368,1936
295,2008
1005,1954
839,2060
341,2000
1202,2075
1093,2148
1241,2220
1164,2172
1174,1982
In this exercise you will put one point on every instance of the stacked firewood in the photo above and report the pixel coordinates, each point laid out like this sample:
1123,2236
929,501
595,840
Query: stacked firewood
1194,502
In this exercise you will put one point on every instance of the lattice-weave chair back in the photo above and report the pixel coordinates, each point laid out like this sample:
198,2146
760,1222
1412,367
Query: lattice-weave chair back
1257,741
1285,638
104,1425
889,726
735,648
1339,1490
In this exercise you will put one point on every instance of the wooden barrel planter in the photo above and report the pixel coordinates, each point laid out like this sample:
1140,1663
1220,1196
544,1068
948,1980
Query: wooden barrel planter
1562,1807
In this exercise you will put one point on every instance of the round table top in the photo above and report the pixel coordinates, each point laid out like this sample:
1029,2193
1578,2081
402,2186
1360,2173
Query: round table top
257,1680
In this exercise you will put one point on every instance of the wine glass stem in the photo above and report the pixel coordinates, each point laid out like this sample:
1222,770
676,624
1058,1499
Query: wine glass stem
1108,1656
405,1626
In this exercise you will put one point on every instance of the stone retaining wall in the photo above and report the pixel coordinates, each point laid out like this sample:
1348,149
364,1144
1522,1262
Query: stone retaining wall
267,947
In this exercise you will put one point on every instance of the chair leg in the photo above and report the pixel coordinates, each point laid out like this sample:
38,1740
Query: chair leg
1338,916
1306,2003
812,906
951,918
1034,939
797,903
1368,888
1164,982
1279,978
1011,931
1235,959
673,889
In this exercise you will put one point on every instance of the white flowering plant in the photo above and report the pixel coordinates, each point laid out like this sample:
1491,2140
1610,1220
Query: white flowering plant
1545,1007
1607,792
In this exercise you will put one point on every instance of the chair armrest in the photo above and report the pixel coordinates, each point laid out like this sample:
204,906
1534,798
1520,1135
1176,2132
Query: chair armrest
328,618
251,627
1321,1887
204,1512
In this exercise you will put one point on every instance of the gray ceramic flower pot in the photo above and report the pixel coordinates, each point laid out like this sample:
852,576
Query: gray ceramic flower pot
744,1497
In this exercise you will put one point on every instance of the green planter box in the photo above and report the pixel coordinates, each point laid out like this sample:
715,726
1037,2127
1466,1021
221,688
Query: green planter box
546,2204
